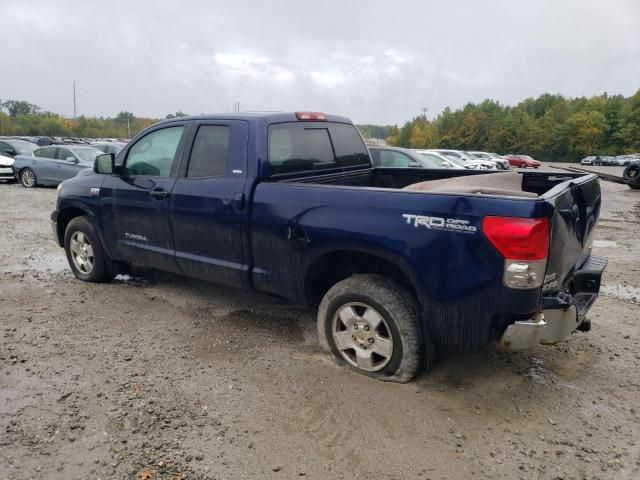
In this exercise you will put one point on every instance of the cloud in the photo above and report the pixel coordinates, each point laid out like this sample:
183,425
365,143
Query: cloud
376,62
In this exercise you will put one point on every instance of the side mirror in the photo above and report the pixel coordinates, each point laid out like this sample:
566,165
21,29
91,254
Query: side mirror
415,165
11,153
71,159
105,163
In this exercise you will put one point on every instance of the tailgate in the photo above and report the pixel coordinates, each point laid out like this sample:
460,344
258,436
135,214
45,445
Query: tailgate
576,207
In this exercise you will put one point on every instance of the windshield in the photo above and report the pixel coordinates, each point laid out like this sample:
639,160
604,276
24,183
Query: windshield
87,155
22,147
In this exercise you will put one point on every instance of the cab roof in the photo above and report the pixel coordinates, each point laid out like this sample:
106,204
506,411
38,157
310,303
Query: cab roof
267,117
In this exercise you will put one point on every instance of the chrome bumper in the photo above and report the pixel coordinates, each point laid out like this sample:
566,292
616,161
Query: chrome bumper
547,328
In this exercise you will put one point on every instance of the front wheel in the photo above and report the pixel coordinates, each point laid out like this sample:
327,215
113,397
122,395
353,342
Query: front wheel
28,178
371,324
85,254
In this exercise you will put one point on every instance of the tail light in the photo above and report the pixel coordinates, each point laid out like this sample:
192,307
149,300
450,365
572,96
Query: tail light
311,116
524,244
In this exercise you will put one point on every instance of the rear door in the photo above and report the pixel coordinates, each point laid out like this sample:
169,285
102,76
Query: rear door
135,205
209,214
43,164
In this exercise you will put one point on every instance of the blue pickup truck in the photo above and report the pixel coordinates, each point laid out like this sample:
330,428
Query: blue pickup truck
400,262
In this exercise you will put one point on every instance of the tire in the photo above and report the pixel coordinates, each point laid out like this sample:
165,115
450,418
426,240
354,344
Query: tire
631,175
383,338
85,254
28,178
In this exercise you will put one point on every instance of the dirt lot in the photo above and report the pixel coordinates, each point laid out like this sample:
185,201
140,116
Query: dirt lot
156,376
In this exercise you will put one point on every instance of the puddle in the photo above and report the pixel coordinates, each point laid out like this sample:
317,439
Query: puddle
622,292
38,263
605,244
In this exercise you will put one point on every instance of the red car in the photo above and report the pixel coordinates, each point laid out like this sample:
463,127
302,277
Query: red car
522,161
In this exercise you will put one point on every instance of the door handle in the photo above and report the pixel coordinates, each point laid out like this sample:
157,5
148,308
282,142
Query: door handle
159,193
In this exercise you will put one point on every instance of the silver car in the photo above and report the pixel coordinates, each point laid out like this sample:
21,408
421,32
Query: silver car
52,164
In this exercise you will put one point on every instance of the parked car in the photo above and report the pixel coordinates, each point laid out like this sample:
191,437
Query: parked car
443,161
53,164
466,160
405,158
397,261
588,160
10,147
6,168
109,147
502,163
626,160
523,161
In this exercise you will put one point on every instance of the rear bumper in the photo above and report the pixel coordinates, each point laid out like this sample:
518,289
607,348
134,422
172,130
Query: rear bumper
561,314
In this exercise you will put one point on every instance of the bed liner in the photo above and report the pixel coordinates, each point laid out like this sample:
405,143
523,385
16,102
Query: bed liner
504,184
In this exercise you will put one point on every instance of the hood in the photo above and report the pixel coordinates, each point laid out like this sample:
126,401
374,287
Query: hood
85,172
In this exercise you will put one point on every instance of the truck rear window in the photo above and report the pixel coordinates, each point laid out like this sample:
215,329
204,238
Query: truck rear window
305,146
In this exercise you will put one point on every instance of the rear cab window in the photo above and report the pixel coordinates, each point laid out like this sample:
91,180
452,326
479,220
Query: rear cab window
210,152
312,146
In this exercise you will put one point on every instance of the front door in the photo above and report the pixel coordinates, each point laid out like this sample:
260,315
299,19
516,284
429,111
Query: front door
135,205
67,165
209,212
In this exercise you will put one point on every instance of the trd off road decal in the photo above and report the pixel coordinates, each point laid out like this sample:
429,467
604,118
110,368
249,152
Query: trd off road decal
438,223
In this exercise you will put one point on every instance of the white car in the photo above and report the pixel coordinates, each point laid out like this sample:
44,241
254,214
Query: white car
6,169
444,162
588,160
466,160
501,162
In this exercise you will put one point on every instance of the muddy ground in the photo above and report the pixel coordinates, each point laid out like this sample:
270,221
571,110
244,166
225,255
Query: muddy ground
156,376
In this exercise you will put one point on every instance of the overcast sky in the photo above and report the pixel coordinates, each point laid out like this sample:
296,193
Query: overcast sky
373,61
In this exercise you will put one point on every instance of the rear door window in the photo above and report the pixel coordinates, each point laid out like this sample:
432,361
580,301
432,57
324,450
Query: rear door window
210,152
306,146
46,152
391,158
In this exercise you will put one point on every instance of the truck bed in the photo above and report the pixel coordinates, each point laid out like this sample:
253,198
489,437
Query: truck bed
530,184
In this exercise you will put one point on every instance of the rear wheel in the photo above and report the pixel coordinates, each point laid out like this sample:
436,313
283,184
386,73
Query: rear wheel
371,324
28,178
85,254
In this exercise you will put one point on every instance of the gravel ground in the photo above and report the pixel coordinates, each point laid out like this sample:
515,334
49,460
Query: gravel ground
155,376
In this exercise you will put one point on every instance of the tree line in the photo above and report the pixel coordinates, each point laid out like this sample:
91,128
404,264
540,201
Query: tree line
550,127
18,117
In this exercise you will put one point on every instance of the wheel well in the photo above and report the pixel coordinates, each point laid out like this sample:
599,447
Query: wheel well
329,269
65,216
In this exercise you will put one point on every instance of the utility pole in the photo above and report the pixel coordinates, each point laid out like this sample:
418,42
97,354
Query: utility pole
128,128
424,113
74,100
